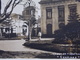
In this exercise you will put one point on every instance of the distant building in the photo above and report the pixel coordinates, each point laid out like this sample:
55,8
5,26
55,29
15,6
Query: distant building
28,12
39,22
19,25
13,27
37,26
55,14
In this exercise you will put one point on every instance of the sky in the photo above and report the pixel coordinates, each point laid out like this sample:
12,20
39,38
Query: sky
19,8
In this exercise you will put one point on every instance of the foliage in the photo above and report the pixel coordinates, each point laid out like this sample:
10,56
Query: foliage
10,5
71,31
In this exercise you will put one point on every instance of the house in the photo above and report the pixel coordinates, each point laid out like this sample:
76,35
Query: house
55,14
20,27
14,27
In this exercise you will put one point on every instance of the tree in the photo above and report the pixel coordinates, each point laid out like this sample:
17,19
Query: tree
0,7
11,4
70,32
32,22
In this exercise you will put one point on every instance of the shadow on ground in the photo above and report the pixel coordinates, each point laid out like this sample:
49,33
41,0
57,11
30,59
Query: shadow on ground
7,54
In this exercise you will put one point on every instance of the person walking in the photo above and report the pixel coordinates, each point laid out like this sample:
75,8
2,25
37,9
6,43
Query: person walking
39,35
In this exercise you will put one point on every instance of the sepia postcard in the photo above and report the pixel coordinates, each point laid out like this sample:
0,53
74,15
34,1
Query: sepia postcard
39,29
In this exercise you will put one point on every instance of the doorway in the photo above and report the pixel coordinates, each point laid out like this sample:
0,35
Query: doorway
49,29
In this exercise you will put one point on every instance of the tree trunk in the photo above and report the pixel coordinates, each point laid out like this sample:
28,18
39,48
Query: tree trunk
0,7
0,34
30,33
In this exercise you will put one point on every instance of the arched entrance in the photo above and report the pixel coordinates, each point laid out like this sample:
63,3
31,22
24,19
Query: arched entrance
49,29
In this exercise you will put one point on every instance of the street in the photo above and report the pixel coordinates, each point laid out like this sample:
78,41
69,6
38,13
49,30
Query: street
16,45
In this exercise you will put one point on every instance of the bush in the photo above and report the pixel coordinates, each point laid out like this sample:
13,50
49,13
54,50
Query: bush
47,47
58,41
69,32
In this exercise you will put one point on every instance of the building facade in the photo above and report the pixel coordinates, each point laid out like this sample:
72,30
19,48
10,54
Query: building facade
20,27
55,14
13,27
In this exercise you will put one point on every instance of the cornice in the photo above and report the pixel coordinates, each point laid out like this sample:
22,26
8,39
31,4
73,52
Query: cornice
54,1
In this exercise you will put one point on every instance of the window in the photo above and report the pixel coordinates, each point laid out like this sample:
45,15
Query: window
49,13
73,11
61,14
28,12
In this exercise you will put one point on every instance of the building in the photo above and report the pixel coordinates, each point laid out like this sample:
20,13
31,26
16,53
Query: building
37,26
39,22
13,27
55,14
5,28
19,26
29,15
28,12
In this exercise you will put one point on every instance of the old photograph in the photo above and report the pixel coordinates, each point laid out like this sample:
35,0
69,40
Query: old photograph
43,29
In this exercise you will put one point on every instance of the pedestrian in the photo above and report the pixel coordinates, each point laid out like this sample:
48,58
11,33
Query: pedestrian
39,35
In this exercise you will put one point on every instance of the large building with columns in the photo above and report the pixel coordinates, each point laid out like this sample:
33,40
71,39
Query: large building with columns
55,14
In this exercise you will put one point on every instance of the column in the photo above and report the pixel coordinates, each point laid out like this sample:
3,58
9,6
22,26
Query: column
43,20
55,19
78,8
66,14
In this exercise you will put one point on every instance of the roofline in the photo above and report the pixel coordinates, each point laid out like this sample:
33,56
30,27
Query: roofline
50,1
